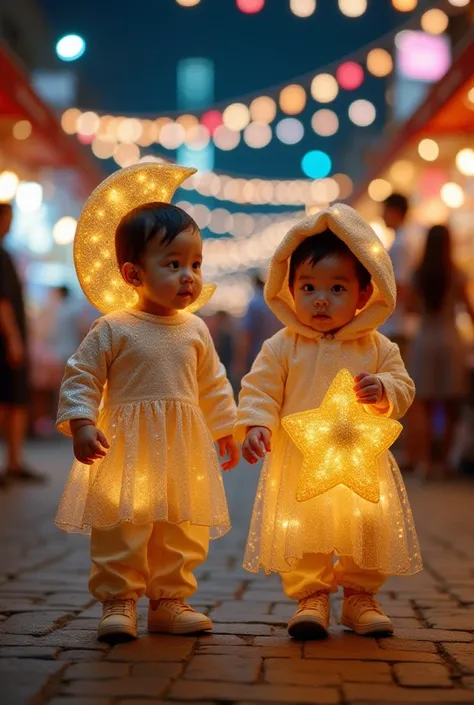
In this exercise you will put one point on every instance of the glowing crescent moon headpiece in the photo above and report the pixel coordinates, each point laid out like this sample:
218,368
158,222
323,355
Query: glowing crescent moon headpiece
94,245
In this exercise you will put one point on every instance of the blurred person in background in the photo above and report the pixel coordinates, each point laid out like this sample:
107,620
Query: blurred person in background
395,212
438,361
224,335
56,335
14,377
258,324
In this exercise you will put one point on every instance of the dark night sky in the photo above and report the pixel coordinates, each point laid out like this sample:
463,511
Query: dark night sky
133,49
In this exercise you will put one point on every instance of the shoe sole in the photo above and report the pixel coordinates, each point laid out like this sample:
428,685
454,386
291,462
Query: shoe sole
115,635
368,629
203,626
304,629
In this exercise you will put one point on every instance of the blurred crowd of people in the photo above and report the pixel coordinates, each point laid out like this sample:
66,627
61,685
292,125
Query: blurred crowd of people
429,286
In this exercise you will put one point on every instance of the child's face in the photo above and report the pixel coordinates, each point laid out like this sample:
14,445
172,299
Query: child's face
328,294
170,275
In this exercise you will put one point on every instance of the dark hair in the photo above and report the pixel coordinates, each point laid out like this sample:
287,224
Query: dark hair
317,247
435,272
63,291
398,202
142,224
4,207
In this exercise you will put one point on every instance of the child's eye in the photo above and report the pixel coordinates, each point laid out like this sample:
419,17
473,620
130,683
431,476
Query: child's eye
308,287
338,288
196,265
174,264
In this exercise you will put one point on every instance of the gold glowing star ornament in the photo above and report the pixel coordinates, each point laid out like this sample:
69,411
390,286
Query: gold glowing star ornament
94,244
340,442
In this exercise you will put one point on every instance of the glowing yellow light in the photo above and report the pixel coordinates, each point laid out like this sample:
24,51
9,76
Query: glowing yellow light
188,3
236,116
88,123
69,120
109,202
379,62
103,149
187,121
64,230
402,172
324,88
126,154
379,190
434,21
302,8
172,135
22,129
129,130
428,150
340,442
325,122
404,5
8,186
459,3
263,109
465,161
452,194
292,99
352,8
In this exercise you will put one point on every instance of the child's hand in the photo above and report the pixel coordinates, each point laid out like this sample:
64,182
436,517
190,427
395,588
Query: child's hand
257,443
228,447
89,443
368,389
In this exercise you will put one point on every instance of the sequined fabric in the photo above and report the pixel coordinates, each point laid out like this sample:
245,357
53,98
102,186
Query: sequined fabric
165,398
292,374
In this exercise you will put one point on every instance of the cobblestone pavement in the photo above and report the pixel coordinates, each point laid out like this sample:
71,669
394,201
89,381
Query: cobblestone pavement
49,654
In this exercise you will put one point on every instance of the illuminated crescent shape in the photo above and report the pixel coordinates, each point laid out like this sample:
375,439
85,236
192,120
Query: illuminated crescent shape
94,243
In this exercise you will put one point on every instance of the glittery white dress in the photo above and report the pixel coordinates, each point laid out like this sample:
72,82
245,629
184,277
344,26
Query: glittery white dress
155,387
292,374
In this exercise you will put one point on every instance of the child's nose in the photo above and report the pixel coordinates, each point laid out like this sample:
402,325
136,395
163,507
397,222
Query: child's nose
186,275
320,300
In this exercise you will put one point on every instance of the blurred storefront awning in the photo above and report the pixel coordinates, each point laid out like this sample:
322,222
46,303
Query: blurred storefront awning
448,110
46,145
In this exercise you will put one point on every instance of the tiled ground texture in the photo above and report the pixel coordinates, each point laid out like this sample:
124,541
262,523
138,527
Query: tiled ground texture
49,654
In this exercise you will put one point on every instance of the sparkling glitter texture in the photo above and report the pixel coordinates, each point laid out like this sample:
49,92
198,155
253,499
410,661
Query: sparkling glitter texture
165,399
94,244
340,443
290,375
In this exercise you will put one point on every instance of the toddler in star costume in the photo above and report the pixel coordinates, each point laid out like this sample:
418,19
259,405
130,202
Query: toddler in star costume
146,483
331,283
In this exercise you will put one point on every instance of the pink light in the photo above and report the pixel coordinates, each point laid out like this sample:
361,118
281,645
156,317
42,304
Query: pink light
350,75
431,182
85,139
422,57
250,7
212,119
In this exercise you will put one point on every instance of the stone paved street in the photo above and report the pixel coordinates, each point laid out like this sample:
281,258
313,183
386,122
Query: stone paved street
49,654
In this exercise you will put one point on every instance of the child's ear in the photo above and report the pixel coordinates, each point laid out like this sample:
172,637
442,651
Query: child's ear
131,274
365,295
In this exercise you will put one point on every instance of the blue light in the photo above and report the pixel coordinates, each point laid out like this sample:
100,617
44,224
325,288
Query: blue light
70,47
316,164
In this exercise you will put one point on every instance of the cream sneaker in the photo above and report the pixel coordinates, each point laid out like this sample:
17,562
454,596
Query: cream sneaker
364,615
174,616
311,619
119,621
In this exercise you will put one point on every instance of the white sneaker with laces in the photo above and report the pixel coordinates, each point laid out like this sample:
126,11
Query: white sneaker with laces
119,621
363,614
311,619
174,616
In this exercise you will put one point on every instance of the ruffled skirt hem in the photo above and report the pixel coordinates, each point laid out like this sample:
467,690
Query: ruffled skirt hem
377,536
161,467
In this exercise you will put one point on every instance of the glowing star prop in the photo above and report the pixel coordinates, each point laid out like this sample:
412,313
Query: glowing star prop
341,443
94,243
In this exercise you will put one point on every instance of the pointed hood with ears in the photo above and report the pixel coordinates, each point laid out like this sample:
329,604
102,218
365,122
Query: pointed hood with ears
359,237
